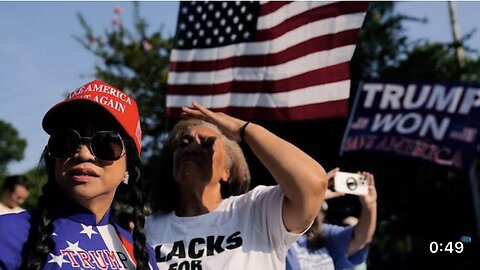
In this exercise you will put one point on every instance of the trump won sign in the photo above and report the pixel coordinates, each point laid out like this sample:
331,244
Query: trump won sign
431,121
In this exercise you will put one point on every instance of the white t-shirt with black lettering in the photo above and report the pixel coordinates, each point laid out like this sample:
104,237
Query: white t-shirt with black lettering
244,232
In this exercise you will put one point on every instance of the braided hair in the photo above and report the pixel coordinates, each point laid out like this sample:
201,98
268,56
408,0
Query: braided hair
137,201
40,243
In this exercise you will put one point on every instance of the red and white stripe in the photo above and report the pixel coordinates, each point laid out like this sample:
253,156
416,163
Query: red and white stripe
296,69
116,244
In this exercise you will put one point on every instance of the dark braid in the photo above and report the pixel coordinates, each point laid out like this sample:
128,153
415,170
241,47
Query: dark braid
137,201
40,242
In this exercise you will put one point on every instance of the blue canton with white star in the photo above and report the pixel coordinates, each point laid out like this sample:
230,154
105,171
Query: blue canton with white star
211,24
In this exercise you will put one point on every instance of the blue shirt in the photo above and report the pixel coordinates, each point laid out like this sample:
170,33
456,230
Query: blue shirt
80,242
332,256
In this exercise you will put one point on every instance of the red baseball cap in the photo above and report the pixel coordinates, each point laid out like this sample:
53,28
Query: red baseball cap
118,104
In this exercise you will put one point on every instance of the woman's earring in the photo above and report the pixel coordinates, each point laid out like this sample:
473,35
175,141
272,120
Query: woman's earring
125,179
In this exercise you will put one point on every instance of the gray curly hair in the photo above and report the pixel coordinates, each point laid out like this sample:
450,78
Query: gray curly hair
164,191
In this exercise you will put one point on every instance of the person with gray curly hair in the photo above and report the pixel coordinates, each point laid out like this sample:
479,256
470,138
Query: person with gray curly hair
205,217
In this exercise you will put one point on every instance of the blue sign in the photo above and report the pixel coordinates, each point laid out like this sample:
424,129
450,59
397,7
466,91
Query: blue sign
434,122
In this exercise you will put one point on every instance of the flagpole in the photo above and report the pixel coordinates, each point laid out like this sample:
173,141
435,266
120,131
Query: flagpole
351,116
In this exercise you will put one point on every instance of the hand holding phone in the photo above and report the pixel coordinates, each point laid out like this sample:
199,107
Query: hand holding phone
351,183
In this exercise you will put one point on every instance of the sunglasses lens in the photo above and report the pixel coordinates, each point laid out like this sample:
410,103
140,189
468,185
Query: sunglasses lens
107,145
63,143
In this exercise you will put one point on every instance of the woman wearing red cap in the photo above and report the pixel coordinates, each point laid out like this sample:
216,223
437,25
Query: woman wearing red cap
94,147
205,217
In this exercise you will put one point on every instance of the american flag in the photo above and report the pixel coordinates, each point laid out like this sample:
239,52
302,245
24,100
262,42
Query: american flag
360,123
467,134
264,60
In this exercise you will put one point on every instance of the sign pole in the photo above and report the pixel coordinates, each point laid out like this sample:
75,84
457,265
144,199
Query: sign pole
351,116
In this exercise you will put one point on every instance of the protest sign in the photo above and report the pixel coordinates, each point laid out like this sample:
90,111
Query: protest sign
431,121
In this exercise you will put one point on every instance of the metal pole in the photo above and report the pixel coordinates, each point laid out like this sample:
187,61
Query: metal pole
456,34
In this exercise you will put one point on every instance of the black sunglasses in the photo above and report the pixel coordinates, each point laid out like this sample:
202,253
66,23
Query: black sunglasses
104,145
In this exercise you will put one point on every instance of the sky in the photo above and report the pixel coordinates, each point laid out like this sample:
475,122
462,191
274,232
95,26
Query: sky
40,61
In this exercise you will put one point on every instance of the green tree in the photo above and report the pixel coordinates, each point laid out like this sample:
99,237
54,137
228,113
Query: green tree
37,177
137,61
385,52
12,146
382,41
434,62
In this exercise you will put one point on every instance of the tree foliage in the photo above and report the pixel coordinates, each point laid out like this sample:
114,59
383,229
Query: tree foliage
382,41
385,52
434,62
137,62
12,146
37,177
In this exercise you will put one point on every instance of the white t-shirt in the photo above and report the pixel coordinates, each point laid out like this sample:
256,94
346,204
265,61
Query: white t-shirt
6,210
244,232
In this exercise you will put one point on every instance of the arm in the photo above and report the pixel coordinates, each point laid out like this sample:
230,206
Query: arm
365,228
302,180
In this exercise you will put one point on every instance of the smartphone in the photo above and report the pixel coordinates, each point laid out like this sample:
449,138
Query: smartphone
351,183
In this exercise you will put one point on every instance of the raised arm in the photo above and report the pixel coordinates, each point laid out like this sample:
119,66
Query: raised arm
302,180
367,222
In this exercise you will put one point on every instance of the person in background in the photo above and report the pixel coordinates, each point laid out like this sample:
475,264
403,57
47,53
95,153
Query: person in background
327,247
15,193
352,221
206,219
94,146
